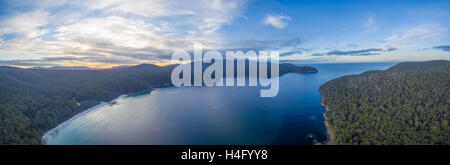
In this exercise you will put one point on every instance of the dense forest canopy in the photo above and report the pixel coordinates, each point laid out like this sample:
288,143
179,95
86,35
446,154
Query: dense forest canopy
33,101
405,104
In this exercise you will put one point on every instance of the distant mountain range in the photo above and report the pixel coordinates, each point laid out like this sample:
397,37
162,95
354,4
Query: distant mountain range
35,100
285,68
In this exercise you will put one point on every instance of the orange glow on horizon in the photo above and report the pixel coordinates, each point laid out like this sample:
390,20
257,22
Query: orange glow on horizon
95,65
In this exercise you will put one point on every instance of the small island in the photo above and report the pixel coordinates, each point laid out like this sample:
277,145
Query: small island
291,68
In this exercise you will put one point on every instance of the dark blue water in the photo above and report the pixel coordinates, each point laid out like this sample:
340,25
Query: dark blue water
212,115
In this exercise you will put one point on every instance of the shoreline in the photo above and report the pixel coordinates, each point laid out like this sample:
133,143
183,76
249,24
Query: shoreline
330,135
48,134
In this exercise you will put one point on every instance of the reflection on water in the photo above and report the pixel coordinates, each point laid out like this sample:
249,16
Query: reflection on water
212,115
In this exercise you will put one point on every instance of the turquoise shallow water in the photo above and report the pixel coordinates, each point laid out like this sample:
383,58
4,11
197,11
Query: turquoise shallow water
211,115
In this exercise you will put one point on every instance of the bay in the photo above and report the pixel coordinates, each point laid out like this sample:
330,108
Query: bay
211,115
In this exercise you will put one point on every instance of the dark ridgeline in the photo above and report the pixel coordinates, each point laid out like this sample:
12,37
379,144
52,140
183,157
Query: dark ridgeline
405,104
33,101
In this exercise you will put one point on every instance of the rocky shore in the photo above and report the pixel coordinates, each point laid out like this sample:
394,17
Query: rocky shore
329,133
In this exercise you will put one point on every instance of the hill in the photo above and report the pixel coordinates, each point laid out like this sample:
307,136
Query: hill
405,104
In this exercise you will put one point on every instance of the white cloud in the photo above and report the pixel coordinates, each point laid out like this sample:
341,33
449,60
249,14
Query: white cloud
206,15
416,37
277,21
26,24
370,24
425,31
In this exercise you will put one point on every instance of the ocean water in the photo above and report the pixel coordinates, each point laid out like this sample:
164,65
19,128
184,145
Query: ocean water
212,115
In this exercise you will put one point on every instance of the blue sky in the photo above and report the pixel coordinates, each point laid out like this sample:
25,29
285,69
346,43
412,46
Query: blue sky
106,33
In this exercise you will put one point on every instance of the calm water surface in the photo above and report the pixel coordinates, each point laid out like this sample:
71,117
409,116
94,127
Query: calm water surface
212,115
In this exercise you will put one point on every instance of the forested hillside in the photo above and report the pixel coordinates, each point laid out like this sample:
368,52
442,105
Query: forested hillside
35,100
405,104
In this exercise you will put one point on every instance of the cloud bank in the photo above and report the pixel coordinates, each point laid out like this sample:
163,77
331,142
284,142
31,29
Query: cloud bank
362,52
443,48
119,30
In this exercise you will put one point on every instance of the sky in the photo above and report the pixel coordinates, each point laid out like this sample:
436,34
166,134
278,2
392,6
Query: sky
109,33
